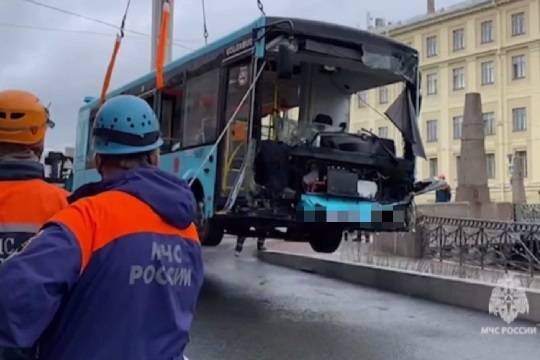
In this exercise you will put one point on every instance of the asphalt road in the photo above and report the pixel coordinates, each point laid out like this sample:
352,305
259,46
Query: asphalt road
252,310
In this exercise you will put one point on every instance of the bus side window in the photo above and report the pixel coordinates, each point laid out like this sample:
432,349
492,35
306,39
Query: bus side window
166,119
200,109
170,118
149,98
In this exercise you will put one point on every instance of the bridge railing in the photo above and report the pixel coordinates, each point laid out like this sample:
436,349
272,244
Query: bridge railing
510,246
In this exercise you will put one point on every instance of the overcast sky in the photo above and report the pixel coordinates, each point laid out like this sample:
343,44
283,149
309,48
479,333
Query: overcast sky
64,67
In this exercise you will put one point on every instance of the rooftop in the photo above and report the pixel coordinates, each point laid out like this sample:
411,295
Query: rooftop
443,12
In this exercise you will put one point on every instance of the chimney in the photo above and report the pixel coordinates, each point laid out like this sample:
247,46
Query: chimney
379,23
430,6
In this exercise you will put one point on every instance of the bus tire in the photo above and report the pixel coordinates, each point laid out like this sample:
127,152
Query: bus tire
210,233
213,235
325,240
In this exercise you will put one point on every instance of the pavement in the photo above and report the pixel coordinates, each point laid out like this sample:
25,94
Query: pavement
250,310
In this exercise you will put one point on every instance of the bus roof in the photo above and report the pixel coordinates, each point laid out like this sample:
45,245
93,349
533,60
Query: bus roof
308,28
340,33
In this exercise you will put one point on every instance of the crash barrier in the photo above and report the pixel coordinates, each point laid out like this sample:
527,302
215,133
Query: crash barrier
511,246
527,213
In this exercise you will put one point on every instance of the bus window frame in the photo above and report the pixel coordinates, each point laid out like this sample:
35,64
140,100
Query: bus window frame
225,66
155,94
191,76
178,80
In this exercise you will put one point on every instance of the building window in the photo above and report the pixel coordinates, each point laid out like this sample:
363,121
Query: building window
458,159
521,156
457,125
458,39
458,76
383,95
362,99
383,132
519,67
490,166
488,73
486,32
431,127
489,123
431,84
433,167
518,24
519,119
431,46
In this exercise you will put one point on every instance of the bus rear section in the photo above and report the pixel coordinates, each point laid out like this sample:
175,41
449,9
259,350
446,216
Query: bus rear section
293,167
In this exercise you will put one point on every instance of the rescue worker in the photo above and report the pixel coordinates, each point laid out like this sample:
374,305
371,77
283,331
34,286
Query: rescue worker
444,194
26,200
240,240
117,274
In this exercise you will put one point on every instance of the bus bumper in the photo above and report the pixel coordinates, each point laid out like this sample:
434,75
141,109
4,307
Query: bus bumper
353,213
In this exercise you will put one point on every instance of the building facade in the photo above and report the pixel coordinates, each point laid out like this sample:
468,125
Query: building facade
486,46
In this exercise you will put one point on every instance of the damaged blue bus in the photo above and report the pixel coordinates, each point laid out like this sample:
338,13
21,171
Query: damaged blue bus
259,124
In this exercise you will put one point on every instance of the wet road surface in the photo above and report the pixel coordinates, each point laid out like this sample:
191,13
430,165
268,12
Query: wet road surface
250,310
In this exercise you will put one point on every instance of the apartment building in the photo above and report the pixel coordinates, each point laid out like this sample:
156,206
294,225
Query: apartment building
486,46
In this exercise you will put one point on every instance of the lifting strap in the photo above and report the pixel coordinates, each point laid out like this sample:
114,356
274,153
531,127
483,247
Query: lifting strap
162,45
110,68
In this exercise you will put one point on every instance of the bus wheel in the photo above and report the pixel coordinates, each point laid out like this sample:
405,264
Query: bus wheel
210,233
325,240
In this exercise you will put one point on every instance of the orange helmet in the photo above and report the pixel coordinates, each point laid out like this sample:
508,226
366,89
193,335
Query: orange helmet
23,119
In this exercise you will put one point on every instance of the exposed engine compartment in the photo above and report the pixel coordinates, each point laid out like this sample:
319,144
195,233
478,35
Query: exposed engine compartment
306,166
358,166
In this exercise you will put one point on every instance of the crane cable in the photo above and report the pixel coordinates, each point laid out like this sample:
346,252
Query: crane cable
260,5
98,21
205,27
116,49
88,18
123,25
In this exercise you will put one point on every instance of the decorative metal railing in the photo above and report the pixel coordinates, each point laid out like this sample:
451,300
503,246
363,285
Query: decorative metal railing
527,213
495,244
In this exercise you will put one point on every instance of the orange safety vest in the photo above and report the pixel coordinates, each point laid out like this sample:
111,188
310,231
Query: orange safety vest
25,205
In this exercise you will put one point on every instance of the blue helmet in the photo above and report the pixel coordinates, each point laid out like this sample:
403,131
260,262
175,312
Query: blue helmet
126,124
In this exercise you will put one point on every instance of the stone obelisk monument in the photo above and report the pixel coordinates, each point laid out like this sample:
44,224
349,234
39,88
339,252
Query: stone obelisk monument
472,174
517,181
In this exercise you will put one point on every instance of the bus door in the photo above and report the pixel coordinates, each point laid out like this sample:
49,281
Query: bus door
235,143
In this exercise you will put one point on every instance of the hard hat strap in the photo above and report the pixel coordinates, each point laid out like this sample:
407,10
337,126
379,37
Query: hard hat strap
123,138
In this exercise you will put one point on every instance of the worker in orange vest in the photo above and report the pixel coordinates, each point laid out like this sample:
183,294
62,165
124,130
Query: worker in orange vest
26,200
117,274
